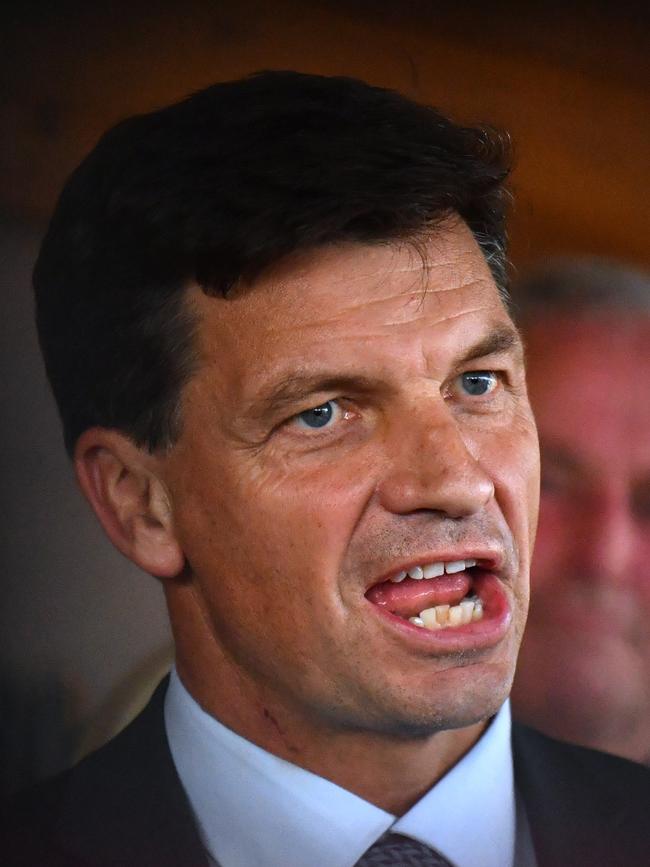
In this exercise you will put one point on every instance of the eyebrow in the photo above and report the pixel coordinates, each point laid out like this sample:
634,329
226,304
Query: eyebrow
298,385
501,339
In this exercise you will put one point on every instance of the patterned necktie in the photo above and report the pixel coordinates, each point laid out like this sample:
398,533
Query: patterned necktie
394,850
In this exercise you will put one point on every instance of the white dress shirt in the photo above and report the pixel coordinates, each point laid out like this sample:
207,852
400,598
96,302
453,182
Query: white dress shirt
254,809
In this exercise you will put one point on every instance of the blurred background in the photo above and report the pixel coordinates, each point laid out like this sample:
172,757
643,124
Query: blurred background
569,82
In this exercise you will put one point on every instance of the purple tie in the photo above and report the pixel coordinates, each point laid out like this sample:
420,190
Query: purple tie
394,850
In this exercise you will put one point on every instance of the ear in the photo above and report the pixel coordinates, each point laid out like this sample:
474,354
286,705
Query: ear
119,481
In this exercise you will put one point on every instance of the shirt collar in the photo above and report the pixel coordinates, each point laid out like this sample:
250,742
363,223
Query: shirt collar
469,816
252,807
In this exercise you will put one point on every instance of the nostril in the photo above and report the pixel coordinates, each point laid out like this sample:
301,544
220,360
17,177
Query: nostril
434,492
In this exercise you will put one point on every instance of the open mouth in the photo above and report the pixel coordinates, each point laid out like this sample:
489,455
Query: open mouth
445,595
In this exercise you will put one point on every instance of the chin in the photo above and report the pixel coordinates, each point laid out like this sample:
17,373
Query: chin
452,699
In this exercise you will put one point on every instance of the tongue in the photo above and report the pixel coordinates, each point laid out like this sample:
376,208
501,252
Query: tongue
409,597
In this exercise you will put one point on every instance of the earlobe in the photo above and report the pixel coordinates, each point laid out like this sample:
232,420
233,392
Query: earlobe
129,499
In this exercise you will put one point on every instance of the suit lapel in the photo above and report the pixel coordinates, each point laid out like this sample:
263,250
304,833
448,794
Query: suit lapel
125,804
583,807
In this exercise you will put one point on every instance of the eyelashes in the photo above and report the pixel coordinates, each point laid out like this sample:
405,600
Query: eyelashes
473,385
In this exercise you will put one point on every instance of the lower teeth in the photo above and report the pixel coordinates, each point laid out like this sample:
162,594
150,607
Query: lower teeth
443,616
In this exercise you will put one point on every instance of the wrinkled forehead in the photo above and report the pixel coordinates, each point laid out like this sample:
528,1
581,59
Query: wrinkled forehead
362,290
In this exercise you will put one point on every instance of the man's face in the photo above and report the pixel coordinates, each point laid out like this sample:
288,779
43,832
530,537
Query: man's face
333,438
585,664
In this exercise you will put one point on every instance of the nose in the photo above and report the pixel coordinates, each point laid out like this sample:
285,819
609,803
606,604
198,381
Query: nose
430,467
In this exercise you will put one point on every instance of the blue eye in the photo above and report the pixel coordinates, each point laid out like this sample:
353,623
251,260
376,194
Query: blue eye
478,382
318,416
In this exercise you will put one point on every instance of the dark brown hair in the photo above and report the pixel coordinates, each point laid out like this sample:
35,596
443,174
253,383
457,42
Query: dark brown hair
214,190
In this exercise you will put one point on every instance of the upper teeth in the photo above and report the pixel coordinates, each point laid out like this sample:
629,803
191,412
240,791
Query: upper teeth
433,570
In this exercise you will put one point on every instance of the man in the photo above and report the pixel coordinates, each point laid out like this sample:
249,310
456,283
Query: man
273,318
584,672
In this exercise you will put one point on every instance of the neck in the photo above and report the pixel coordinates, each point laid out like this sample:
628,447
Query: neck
391,772
387,770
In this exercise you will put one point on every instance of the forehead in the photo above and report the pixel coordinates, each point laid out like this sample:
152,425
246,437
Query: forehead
323,304
592,374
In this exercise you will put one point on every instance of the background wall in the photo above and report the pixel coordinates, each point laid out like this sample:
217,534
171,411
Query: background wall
571,85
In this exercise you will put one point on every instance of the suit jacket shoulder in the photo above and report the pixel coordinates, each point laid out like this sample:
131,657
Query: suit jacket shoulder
584,807
123,805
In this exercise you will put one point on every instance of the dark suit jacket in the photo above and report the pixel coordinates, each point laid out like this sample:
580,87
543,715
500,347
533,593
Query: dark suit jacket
124,807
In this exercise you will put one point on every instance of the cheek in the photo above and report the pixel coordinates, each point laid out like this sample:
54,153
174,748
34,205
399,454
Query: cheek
300,519
513,464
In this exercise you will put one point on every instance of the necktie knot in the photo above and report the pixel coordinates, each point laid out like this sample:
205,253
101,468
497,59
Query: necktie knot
395,850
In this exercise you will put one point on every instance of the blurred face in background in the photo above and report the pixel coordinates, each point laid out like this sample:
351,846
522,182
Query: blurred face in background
584,670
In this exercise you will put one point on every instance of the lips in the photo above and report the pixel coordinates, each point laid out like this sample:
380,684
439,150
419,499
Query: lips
462,609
